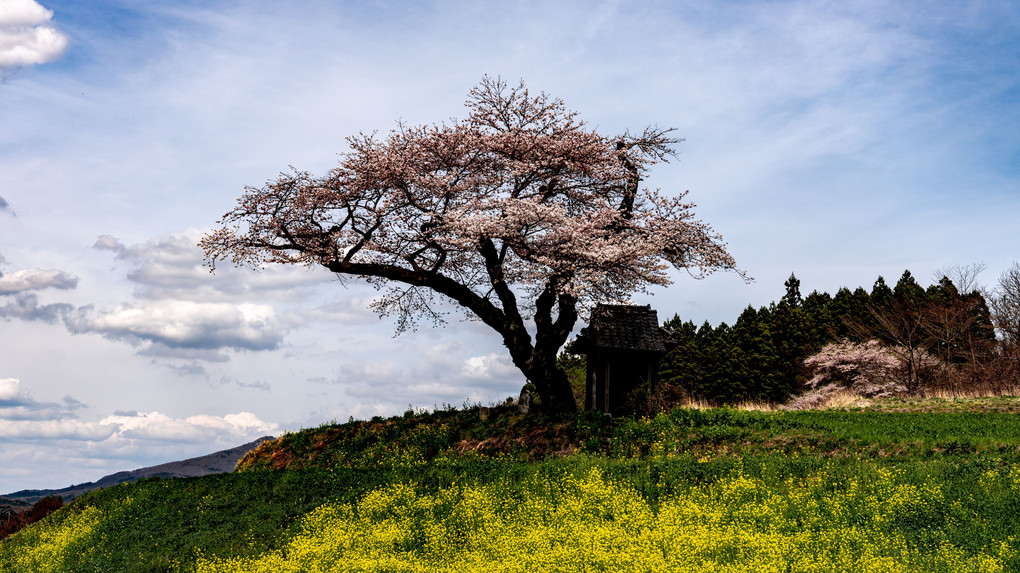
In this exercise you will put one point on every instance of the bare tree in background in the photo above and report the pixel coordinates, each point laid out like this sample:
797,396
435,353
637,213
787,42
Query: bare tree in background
902,329
1005,306
964,277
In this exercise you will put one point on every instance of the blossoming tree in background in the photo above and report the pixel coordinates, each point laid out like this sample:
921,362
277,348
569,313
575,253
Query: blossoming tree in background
868,369
518,213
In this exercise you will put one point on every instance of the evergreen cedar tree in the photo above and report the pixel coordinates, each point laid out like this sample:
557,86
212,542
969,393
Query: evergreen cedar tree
517,212
762,356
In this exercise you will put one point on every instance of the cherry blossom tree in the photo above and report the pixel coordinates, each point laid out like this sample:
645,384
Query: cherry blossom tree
519,213
868,369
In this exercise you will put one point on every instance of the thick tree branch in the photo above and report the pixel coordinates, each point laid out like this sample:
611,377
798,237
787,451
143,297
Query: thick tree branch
630,188
515,334
486,311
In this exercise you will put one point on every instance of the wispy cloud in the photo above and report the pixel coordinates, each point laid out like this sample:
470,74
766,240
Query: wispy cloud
172,267
25,306
440,374
132,431
36,279
22,286
17,404
51,434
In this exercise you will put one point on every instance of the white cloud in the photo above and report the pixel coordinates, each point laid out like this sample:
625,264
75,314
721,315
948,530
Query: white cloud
54,429
59,453
27,34
437,374
351,310
17,404
173,267
489,367
181,312
11,391
156,426
15,13
36,279
52,420
109,243
48,441
260,385
190,355
180,324
374,372
26,307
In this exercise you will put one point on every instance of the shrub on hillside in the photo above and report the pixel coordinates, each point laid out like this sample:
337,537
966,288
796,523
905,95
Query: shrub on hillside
39,510
868,369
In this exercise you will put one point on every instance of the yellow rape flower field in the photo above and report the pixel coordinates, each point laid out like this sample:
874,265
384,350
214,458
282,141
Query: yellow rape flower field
591,523
49,549
804,492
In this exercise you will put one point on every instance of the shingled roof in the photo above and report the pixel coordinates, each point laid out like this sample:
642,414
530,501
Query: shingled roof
625,327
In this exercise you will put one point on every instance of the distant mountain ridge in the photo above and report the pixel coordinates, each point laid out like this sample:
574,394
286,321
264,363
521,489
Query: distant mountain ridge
215,463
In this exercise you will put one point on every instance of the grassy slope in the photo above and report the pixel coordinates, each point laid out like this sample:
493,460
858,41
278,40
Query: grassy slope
164,525
895,428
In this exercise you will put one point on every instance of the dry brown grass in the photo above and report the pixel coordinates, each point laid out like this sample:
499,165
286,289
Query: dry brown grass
844,399
934,399
755,406
747,405
695,404
968,393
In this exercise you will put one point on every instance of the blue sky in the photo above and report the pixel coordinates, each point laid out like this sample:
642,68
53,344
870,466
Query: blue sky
840,141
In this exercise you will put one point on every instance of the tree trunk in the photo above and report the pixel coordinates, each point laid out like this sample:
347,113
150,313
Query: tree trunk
537,361
553,386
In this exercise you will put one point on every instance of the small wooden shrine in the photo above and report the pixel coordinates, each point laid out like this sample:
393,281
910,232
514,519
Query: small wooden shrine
623,345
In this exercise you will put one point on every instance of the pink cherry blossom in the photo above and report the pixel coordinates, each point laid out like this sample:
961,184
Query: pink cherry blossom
517,212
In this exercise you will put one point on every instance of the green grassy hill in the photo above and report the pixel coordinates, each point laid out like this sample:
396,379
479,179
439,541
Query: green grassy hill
901,486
